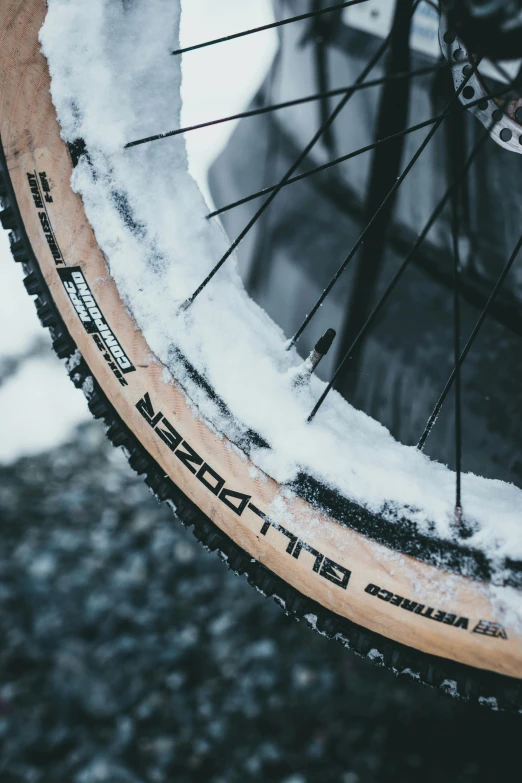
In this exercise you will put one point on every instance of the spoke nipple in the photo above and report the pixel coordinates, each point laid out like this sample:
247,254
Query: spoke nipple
185,306
458,515
322,347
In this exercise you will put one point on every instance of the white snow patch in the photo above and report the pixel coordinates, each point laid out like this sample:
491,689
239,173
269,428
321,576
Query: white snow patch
411,673
450,687
507,606
489,701
311,619
73,361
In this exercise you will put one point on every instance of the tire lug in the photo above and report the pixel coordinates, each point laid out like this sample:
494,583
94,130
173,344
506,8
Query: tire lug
18,251
160,486
117,435
63,346
32,284
8,219
139,462
46,314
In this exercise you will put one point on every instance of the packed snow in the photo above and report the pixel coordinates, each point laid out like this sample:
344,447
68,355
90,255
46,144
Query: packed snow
113,81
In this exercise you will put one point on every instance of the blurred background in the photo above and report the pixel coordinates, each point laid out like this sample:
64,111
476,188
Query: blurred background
128,653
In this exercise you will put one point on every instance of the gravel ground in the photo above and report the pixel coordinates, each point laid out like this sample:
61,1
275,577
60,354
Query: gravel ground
129,654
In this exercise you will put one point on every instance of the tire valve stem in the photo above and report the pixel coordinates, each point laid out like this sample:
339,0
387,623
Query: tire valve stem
458,515
322,347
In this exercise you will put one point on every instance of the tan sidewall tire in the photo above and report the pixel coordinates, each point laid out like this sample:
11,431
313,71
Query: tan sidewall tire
416,604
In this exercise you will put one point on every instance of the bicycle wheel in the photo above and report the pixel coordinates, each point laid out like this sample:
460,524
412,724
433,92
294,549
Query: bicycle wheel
322,508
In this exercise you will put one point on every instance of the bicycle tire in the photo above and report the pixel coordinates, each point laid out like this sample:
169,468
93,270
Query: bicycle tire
330,595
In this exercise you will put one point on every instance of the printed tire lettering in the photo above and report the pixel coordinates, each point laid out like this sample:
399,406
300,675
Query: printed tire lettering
87,310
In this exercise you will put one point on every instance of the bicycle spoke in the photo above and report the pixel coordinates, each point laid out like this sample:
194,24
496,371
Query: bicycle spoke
455,234
471,340
427,227
355,153
270,26
295,102
371,222
342,103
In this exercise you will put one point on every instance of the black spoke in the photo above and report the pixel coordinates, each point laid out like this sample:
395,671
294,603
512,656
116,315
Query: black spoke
455,234
340,106
455,374
471,340
374,218
324,166
287,104
270,26
411,254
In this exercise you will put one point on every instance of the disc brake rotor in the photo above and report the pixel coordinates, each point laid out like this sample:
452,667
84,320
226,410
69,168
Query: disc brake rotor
504,120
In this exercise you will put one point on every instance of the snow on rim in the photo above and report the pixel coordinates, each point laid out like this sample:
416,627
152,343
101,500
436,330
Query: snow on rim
114,80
